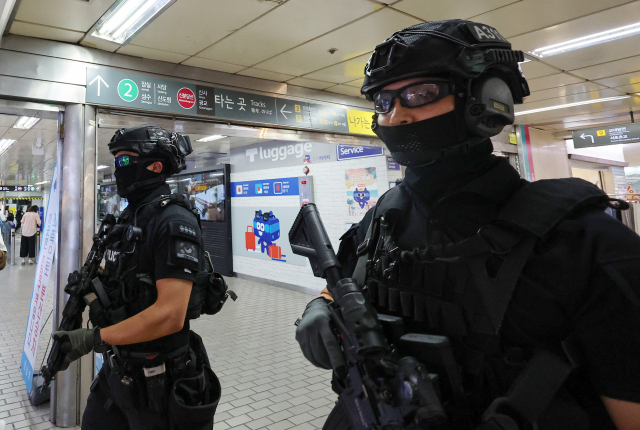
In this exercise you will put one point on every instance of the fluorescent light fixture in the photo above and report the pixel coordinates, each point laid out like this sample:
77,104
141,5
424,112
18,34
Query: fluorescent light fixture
586,102
184,180
43,182
26,122
101,167
211,138
5,144
126,18
583,42
170,180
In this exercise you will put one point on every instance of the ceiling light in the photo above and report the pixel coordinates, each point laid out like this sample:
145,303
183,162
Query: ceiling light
587,102
211,138
583,42
101,167
126,18
5,144
43,182
526,60
26,122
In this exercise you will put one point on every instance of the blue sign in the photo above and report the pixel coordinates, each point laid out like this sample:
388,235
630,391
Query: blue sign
392,165
348,152
266,188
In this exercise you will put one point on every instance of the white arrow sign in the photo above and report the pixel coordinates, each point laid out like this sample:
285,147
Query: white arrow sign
583,136
282,111
100,80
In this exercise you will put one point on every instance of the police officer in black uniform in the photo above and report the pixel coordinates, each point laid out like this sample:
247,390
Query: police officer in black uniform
143,324
525,279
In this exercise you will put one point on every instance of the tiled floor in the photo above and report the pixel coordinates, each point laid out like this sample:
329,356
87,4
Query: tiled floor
266,382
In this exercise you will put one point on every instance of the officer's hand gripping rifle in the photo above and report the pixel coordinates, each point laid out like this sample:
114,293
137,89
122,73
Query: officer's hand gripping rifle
81,292
378,389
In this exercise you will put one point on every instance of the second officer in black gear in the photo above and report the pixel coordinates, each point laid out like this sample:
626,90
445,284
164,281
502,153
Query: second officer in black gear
525,279
150,271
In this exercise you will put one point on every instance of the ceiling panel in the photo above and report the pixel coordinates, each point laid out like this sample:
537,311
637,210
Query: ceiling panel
346,90
65,14
153,54
265,74
628,89
188,27
575,98
613,68
205,63
310,83
6,121
343,72
566,114
537,69
434,10
606,20
285,27
46,136
45,32
597,54
552,81
357,83
594,90
529,15
47,124
350,41
620,80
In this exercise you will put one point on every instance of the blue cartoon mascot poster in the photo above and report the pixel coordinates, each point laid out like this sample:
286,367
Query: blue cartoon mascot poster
266,229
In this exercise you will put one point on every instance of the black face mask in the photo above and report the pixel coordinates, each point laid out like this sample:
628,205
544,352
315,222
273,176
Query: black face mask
431,139
134,179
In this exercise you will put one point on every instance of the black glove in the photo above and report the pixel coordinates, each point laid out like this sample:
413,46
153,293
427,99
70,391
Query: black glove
317,340
76,343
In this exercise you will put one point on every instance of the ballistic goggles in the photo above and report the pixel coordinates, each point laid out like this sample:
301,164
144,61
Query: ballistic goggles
413,95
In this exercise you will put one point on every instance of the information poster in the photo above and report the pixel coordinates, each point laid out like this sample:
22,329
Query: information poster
362,190
40,285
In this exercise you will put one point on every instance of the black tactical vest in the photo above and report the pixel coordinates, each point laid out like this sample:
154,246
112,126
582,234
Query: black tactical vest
462,289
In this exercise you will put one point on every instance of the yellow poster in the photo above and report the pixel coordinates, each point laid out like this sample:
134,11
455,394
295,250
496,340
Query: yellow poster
360,121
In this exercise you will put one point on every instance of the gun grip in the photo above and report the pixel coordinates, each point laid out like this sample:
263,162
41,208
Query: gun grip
66,347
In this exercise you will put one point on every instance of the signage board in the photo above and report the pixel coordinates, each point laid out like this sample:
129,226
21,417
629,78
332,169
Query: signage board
392,165
349,152
266,188
19,188
129,90
280,154
606,135
48,247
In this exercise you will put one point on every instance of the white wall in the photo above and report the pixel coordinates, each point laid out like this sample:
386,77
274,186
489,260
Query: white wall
609,152
331,199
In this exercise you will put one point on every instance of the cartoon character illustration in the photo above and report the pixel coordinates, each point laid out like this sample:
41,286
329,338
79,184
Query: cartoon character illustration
307,159
266,227
361,195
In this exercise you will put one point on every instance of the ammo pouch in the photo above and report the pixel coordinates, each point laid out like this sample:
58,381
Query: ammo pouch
193,400
209,293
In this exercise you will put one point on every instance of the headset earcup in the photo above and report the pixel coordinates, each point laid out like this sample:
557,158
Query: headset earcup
490,107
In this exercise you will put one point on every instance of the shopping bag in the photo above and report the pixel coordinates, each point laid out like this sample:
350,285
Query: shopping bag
275,252
250,239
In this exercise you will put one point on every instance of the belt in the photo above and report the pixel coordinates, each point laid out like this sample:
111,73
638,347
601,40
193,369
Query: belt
132,362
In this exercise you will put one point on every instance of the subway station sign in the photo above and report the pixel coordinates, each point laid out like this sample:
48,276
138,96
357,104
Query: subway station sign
607,135
117,88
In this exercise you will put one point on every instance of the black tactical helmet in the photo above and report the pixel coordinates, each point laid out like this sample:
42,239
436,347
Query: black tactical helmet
150,141
452,48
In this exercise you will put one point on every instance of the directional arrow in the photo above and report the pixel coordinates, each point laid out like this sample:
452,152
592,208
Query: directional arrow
282,111
587,135
100,80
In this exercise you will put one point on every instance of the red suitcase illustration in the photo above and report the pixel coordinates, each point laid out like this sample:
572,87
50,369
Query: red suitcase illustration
250,239
275,252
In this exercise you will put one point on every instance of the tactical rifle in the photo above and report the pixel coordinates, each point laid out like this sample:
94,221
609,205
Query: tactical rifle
379,390
81,290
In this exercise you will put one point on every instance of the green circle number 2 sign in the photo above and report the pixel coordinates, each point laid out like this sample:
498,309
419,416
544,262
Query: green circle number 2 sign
128,90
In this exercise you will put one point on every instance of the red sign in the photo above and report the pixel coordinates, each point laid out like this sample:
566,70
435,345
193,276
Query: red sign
186,98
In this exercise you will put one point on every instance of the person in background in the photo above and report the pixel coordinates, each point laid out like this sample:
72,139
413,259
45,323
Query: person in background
30,223
3,250
10,217
19,215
